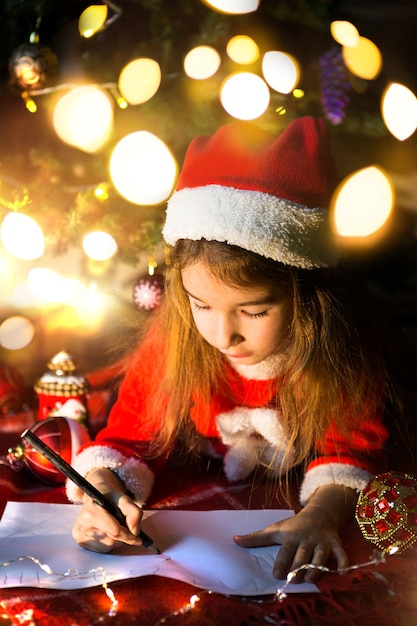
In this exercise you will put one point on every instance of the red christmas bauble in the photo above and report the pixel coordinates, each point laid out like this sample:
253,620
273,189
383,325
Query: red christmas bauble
64,436
148,292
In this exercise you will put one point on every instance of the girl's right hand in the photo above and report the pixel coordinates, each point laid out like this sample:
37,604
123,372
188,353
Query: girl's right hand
95,529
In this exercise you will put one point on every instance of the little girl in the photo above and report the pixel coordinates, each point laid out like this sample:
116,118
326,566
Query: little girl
257,355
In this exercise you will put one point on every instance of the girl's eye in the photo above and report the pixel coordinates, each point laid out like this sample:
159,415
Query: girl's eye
199,307
255,315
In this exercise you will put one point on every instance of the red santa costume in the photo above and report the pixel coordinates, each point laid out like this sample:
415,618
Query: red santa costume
268,197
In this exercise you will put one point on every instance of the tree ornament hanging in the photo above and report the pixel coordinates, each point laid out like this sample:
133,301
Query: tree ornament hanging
63,435
32,65
386,511
335,85
148,292
61,391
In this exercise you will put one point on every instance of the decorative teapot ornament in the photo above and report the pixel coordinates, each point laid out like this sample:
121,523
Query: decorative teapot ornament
61,391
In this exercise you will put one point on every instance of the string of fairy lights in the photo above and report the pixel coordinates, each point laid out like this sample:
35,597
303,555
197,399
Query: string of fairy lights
142,168
100,575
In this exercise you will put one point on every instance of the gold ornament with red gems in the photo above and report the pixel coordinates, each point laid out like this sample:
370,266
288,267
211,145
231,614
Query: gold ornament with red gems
386,511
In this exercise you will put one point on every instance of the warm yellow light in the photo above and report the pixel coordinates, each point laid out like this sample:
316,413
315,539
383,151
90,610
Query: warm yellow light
99,246
46,284
16,332
281,71
399,110
244,96
92,19
29,103
22,237
363,202
364,59
234,6
142,168
345,33
92,307
202,62
101,192
242,49
83,118
298,93
139,80
73,291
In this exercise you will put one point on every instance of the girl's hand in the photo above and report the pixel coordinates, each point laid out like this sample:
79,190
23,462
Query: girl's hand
311,536
95,529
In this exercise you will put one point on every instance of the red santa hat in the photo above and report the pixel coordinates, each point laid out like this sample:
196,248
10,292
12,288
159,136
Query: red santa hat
265,193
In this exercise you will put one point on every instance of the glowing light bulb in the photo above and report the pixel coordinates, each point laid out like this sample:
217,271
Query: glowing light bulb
399,110
46,284
99,246
242,49
83,118
234,6
139,80
92,19
22,237
16,332
245,96
281,71
345,33
363,202
202,62
364,59
142,168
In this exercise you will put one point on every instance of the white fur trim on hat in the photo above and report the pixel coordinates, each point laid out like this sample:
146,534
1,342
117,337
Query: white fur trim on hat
333,474
136,475
260,222
253,436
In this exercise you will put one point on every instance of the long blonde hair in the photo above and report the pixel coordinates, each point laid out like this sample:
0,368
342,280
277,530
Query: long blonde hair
332,372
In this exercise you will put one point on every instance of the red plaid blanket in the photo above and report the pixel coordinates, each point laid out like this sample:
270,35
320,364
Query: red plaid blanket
381,594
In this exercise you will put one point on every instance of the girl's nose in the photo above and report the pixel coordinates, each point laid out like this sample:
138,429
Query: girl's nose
227,334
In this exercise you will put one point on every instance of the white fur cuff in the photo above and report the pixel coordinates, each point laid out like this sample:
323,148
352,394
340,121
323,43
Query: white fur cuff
135,474
333,474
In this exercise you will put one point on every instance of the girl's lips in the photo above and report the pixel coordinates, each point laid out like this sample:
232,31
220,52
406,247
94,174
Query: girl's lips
238,356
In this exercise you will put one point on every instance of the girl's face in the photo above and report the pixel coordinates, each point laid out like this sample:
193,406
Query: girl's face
246,324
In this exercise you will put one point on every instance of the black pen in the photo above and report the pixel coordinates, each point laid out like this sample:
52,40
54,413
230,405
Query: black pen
83,484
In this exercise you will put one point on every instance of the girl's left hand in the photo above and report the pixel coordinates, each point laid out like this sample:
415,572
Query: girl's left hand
303,539
310,536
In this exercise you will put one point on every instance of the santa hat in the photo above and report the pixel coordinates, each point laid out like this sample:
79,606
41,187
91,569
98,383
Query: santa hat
267,194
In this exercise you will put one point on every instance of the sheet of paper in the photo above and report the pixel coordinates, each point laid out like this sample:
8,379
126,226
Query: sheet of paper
37,550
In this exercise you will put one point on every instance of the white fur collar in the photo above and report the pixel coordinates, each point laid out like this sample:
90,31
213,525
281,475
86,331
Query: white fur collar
269,368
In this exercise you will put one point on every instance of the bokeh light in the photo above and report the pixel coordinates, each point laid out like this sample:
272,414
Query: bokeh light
22,237
202,62
242,49
244,95
364,60
363,202
92,19
237,7
99,246
16,332
142,168
47,285
345,33
281,71
139,80
83,118
399,110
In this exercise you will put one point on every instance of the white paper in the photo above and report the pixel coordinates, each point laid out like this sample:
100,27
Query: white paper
196,547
